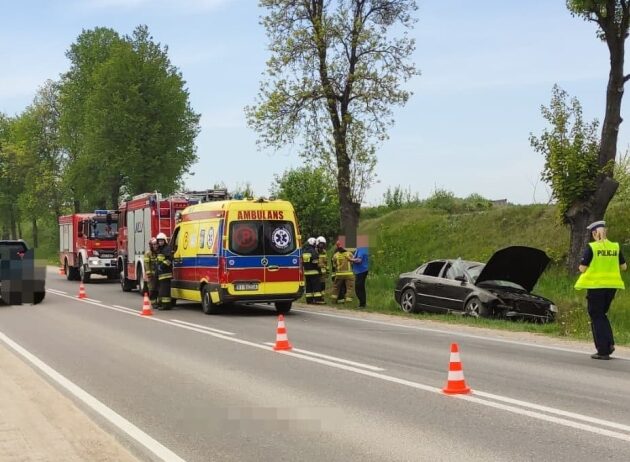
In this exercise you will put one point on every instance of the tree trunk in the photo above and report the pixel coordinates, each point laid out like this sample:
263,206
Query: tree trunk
349,211
35,236
580,215
77,205
19,229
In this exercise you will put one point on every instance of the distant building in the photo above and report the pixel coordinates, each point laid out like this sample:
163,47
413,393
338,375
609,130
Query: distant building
499,203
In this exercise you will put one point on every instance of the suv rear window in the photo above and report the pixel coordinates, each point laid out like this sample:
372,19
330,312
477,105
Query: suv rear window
262,237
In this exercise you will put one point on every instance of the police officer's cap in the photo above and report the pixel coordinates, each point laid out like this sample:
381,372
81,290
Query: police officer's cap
596,224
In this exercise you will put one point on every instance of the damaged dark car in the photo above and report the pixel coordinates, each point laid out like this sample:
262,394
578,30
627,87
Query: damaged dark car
500,288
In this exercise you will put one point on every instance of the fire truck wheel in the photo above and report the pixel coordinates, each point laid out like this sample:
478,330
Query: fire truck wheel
125,284
206,301
139,281
84,275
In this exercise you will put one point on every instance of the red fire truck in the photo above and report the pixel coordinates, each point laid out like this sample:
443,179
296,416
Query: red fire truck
87,244
143,217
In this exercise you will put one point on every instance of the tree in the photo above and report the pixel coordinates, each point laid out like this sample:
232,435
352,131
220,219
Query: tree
333,77
137,127
612,18
36,131
570,149
314,196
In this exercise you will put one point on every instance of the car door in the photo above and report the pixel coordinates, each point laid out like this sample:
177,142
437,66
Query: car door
428,287
454,286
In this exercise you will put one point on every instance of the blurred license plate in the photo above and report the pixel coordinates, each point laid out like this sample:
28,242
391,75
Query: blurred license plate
246,286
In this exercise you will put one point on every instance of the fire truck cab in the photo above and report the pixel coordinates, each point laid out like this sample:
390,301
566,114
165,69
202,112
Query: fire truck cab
87,244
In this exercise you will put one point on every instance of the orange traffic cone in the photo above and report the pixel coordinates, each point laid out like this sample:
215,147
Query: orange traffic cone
146,306
282,341
455,385
82,293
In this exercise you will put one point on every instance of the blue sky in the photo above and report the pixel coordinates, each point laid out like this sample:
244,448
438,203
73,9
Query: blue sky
486,69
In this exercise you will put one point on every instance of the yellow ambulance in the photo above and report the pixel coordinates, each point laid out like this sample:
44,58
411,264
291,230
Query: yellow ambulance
245,251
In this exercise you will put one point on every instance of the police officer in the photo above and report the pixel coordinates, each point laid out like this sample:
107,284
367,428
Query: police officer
150,276
601,277
164,272
342,260
323,266
311,271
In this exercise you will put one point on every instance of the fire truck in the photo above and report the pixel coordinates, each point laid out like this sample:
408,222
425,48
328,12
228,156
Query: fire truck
87,244
145,216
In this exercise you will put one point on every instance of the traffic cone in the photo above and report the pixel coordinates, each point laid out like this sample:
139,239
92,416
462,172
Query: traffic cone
62,271
82,293
146,306
455,385
282,341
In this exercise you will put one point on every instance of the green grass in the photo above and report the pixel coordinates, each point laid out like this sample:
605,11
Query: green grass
401,240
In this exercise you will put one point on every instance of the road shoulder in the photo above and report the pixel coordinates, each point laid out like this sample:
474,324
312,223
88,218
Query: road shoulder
37,422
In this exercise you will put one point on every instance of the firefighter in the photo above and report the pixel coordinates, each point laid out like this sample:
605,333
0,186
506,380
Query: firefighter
150,277
601,267
322,261
344,277
311,271
164,272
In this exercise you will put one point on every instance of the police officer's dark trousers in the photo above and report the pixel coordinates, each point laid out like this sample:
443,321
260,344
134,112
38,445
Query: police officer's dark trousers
599,301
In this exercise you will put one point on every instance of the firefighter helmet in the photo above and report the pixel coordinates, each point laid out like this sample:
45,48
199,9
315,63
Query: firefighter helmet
162,236
311,241
153,241
321,240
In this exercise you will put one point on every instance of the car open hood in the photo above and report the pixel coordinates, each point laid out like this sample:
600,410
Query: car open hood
517,264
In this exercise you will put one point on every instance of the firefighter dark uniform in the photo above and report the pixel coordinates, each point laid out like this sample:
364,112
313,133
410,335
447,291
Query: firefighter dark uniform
164,273
322,261
311,271
344,277
150,266
601,277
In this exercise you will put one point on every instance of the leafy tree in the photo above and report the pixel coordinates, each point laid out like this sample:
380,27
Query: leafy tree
612,18
313,194
570,149
138,129
335,72
622,175
36,131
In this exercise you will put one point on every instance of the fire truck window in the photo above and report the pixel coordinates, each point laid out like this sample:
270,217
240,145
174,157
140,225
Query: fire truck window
102,230
279,237
80,229
202,238
245,237
174,240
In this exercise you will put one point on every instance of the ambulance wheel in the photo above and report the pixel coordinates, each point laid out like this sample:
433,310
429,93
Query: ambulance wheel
283,307
84,276
38,297
206,301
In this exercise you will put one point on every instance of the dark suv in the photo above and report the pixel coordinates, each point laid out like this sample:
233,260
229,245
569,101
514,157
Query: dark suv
21,280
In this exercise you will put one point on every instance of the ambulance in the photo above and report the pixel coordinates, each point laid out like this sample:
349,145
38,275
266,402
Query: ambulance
245,251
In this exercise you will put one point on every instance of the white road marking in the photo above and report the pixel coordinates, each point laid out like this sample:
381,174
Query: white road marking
92,300
56,291
474,398
131,310
110,415
200,326
452,333
334,358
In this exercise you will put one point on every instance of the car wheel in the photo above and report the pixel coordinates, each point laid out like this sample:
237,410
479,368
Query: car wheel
206,301
38,297
408,301
283,307
83,275
476,309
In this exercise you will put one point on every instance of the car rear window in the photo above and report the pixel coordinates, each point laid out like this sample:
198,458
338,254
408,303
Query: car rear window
262,237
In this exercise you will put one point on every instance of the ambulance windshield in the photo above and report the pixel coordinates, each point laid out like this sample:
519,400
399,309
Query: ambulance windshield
262,237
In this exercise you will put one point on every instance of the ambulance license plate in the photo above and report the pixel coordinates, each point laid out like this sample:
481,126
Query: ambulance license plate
246,286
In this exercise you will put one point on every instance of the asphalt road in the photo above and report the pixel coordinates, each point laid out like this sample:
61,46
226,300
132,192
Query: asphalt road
353,389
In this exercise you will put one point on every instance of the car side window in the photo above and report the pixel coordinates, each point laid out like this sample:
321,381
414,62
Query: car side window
453,272
421,269
434,268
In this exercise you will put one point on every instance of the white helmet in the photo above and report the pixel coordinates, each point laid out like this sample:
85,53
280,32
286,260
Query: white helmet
311,241
162,236
321,240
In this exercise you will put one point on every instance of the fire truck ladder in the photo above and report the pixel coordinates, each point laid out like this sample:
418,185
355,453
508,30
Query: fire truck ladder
165,222
208,195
